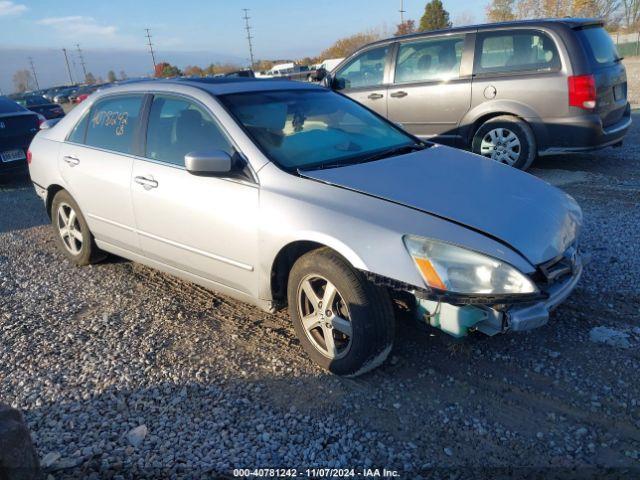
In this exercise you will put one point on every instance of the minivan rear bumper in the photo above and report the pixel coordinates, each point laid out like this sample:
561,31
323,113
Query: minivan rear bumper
583,133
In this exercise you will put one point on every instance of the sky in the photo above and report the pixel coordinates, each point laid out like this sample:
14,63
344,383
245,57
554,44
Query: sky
111,32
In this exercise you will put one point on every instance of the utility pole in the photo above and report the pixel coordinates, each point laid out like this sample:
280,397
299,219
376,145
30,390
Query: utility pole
153,56
84,68
249,37
66,59
35,77
402,12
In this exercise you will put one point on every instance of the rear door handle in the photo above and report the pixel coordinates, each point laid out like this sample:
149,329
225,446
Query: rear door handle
71,161
375,96
399,94
147,183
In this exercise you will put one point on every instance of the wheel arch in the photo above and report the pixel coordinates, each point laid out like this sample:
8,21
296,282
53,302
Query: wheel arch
291,252
52,190
488,110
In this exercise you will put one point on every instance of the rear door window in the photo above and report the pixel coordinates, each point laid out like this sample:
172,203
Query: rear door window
435,59
365,70
177,127
516,51
598,41
113,123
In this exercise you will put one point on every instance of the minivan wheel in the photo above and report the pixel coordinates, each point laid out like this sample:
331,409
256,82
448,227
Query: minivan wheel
345,323
72,233
506,139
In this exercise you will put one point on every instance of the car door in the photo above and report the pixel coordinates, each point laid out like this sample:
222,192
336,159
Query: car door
431,91
96,162
364,78
520,66
204,225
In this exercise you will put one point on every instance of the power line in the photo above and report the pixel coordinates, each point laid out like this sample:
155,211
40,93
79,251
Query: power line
66,59
402,11
84,68
35,77
249,37
153,57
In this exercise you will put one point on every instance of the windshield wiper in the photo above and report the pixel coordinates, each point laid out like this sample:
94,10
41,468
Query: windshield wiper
392,152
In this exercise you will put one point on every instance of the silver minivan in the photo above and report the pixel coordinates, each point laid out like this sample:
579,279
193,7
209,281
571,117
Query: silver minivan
509,91
285,193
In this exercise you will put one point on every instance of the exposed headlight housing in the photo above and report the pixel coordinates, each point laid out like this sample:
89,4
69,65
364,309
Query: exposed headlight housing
455,269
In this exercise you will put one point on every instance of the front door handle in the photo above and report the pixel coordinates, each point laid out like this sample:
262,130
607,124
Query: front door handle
147,183
375,96
399,94
71,161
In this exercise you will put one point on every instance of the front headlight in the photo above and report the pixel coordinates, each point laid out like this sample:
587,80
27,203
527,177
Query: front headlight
458,270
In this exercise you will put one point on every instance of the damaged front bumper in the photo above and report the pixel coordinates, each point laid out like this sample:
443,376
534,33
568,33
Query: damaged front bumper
529,316
459,314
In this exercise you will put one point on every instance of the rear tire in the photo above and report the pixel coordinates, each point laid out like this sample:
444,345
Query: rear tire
72,233
352,331
506,139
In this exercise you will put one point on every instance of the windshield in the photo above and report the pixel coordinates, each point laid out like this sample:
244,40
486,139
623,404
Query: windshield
601,45
303,129
32,101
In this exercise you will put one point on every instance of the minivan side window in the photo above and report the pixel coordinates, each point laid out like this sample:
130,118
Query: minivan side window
434,59
365,70
516,51
177,127
113,123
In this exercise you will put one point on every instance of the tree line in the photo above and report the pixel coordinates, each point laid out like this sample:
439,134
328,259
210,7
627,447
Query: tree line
618,14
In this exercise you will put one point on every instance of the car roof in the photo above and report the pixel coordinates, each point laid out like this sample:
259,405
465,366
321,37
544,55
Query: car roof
539,22
219,85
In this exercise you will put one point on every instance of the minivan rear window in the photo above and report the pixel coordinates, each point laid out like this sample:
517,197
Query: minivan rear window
603,50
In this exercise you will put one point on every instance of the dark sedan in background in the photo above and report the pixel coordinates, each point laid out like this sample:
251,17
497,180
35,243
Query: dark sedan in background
18,126
41,105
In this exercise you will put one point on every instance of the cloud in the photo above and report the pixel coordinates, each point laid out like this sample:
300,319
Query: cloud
9,8
78,25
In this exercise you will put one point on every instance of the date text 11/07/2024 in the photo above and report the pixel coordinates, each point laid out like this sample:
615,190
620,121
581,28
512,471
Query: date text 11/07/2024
315,473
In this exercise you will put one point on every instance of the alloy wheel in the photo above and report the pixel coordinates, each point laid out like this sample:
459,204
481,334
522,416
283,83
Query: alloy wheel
501,145
69,228
325,316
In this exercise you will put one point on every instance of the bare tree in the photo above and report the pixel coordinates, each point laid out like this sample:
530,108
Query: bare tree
22,80
500,11
631,13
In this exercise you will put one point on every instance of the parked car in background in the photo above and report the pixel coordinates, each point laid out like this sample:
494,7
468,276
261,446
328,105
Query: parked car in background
50,93
508,91
63,95
18,126
285,193
41,105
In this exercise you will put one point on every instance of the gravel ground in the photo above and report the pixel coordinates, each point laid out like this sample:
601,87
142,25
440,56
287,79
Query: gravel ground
125,372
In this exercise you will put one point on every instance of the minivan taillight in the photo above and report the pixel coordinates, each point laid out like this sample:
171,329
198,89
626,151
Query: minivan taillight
29,157
582,91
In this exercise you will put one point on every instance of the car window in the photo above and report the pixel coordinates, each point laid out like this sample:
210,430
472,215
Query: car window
365,70
78,132
603,50
177,127
9,106
517,51
429,60
113,123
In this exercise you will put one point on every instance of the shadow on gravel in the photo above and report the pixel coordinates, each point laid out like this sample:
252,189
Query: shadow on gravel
21,208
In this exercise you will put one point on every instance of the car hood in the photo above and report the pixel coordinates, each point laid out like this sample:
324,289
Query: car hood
536,219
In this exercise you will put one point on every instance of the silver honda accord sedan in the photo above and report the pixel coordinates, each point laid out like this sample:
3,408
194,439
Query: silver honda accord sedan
284,194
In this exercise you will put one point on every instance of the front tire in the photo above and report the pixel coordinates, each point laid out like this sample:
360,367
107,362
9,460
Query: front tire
506,139
344,322
72,233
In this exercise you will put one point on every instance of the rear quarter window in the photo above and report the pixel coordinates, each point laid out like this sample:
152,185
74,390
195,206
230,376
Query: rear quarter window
599,45
515,51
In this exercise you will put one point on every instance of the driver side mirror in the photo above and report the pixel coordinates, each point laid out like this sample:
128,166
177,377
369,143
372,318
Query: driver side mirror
327,81
214,162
